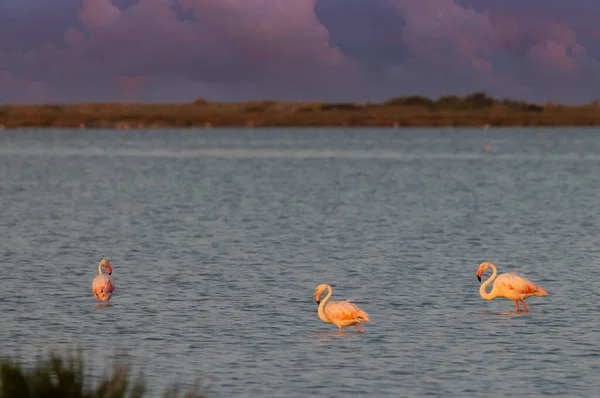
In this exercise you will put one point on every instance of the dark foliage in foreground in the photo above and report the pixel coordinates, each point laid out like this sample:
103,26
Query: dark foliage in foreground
476,109
64,377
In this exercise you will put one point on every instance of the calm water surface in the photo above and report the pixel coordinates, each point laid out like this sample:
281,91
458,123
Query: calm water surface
218,239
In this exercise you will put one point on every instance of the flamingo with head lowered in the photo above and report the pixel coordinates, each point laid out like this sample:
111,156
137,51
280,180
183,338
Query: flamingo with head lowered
102,285
509,285
340,313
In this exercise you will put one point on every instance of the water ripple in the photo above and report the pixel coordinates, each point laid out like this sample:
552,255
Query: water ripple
218,239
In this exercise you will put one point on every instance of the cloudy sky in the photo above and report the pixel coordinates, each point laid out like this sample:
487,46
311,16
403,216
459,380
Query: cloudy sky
338,50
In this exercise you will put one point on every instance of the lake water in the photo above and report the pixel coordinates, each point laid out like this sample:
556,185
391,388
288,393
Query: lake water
218,239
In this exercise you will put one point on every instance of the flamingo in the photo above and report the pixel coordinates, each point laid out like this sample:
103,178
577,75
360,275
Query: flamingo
340,313
509,285
102,286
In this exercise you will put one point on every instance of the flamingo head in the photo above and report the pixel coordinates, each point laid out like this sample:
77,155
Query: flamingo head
482,268
320,289
106,264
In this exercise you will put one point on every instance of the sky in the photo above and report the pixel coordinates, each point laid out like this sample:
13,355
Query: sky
330,50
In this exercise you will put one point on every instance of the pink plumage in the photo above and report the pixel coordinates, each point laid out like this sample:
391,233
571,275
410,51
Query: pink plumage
512,282
102,286
509,285
345,310
340,313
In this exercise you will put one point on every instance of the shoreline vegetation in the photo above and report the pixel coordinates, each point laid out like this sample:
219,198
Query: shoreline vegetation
474,110
64,376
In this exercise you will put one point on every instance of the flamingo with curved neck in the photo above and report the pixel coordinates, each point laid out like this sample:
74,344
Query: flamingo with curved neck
508,285
482,289
340,313
102,286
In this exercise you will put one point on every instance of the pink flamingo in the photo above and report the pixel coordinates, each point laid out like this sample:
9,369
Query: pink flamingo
509,285
340,313
102,286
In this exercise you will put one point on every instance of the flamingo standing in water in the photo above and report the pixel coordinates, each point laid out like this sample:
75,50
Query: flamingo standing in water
509,285
102,286
340,313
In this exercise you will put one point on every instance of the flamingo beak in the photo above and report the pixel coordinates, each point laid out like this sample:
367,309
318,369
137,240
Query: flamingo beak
479,275
109,269
478,278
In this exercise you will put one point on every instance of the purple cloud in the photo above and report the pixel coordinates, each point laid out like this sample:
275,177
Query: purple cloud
162,50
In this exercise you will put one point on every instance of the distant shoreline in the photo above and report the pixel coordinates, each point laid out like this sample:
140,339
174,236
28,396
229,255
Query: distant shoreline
475,110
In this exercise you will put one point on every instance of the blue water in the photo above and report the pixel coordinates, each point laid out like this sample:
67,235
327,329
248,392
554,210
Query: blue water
218,239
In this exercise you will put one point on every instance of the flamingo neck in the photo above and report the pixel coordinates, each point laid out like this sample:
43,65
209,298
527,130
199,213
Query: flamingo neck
322,315
491,295
100,268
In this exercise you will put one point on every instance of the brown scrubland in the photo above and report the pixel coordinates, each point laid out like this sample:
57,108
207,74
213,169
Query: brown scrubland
476,109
